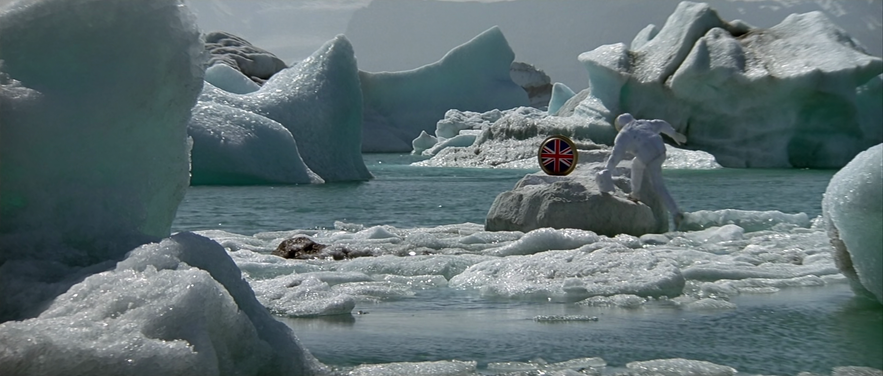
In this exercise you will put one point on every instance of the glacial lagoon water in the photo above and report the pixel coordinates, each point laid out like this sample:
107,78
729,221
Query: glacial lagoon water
784,333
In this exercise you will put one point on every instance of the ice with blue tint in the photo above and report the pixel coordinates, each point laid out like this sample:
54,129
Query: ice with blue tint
802,93
49,184
226,78
233,146
853,210
318,102
560,95
471,77
91,182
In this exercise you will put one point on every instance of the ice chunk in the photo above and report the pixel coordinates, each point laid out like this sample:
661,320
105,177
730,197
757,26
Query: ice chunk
680,367
95,143
319,101
439,368
175,307
749,220
545,239
574,275
473,76
795,95
232,146
228,79
853,210
560,94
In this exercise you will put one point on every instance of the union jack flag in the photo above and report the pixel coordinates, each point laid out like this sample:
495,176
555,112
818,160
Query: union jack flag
557,156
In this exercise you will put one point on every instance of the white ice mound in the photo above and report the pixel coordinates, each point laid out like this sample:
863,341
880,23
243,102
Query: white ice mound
574,275
176,307
94,145
510,139
799,94
318,101
474,76
853,211
575,201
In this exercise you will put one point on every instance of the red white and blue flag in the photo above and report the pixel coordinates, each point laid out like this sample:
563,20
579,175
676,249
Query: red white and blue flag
557,156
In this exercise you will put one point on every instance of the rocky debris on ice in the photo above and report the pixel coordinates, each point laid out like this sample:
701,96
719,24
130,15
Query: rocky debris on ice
799,94
303,126
233,51
304,248
534,81
853,210
575,201
474,76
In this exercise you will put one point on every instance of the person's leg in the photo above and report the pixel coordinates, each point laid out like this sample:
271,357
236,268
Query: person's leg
655,174
637,178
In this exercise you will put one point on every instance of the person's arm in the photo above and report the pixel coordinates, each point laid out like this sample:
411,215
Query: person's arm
665,128
616,155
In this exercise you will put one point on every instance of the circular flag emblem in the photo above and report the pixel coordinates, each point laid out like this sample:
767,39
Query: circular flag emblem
557,155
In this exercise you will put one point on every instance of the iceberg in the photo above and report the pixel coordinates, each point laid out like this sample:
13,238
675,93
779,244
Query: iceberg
304,125
94,148
94,155
798,94
853,212
474,76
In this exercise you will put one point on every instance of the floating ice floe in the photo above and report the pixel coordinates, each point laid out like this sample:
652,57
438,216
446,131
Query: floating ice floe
511,138
474,76
304,125
799,94
696,270
853,212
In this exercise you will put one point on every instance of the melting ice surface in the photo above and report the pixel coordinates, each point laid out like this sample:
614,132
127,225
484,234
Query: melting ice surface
755,290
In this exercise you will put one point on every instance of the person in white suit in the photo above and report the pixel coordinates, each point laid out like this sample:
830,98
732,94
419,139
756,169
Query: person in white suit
642,139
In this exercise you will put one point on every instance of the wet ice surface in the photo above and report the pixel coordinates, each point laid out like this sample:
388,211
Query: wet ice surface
766,301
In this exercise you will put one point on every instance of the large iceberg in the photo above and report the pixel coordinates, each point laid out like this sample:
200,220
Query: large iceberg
802,93
95,98
94,146
474,76
853,211
304,125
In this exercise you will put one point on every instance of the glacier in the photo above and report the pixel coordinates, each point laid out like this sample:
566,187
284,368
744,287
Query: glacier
853,212
474,76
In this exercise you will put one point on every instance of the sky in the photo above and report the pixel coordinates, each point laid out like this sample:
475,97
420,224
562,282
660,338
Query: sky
393,35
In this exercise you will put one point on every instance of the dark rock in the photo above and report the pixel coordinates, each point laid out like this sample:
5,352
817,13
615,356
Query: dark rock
300,247
304,248
255,63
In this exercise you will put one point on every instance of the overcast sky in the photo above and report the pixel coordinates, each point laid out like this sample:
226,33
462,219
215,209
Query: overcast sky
391,35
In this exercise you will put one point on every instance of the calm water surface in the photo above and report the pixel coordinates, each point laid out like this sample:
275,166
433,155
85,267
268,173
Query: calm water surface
407,197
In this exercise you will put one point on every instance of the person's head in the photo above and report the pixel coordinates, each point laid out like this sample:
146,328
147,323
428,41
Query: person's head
622,120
